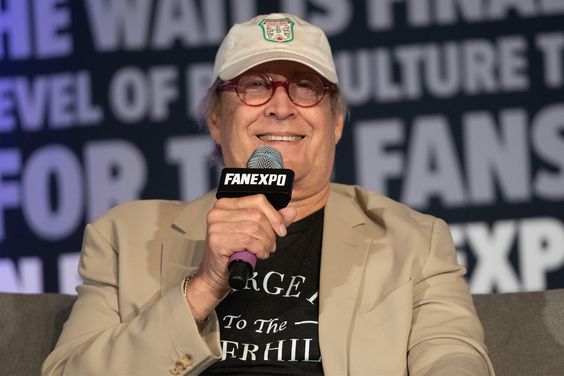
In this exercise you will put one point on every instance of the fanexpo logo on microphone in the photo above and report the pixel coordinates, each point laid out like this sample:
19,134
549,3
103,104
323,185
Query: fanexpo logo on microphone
275,184
250,178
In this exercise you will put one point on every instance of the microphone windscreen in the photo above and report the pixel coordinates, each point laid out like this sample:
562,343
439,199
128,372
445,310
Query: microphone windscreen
265,156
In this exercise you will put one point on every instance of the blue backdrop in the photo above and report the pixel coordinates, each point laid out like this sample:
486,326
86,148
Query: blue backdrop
457,109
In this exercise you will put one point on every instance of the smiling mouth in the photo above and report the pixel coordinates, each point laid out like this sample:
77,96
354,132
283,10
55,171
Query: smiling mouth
272,138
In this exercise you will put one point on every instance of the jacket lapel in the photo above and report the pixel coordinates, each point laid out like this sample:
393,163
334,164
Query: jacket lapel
344,253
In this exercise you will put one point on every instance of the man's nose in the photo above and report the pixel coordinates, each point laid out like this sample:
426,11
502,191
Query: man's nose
280,105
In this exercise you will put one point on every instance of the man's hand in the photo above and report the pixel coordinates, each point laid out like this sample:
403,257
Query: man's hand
234,224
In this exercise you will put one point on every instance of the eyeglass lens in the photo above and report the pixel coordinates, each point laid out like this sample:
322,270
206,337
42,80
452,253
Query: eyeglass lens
304,89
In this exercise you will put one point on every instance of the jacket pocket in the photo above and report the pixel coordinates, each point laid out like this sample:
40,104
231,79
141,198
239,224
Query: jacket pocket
380,335
398,298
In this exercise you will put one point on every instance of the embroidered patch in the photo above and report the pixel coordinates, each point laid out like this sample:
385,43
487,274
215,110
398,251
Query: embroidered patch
278,30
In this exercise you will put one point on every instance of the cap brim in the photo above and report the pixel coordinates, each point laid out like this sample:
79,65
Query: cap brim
235,68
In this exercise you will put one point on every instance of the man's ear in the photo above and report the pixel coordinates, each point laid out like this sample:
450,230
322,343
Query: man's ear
213,126
339,125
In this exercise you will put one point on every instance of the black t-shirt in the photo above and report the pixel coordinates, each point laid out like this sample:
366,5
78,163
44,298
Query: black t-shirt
270,326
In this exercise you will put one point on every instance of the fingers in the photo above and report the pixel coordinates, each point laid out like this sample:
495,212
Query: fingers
234,224
257,207
229,237
246,220
249,223
288,214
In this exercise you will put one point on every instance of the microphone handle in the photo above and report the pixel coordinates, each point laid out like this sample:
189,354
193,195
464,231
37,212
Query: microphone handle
241,265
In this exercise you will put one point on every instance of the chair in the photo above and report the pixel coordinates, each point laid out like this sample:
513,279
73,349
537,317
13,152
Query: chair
524,331
30,325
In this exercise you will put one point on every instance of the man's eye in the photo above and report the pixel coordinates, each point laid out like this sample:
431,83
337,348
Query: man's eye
304,84
254,85
257,83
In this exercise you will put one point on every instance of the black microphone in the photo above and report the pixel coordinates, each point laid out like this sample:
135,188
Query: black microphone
265,173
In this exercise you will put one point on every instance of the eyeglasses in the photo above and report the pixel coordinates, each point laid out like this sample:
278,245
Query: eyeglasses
256,88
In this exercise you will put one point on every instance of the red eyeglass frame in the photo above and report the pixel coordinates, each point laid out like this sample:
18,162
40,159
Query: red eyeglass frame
234,85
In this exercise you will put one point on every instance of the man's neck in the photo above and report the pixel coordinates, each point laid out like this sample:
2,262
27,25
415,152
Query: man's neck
309,204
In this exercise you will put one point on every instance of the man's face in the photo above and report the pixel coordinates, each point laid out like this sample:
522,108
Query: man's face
306,137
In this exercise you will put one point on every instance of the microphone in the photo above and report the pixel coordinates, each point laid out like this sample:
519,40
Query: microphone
265,173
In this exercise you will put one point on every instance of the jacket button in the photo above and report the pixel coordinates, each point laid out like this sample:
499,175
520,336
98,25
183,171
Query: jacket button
179,365
187,360
182,364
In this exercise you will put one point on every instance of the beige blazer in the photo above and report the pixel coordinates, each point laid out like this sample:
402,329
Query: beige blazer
392,297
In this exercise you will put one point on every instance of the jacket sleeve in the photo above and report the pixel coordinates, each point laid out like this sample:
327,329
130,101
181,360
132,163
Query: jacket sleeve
161,339
446,336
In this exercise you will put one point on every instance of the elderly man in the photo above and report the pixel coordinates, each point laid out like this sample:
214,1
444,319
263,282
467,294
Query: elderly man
348,282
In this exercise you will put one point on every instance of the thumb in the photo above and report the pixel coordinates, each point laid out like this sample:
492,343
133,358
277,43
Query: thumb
288,215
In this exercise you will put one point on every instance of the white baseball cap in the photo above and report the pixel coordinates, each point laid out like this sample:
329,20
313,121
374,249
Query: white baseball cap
275,36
